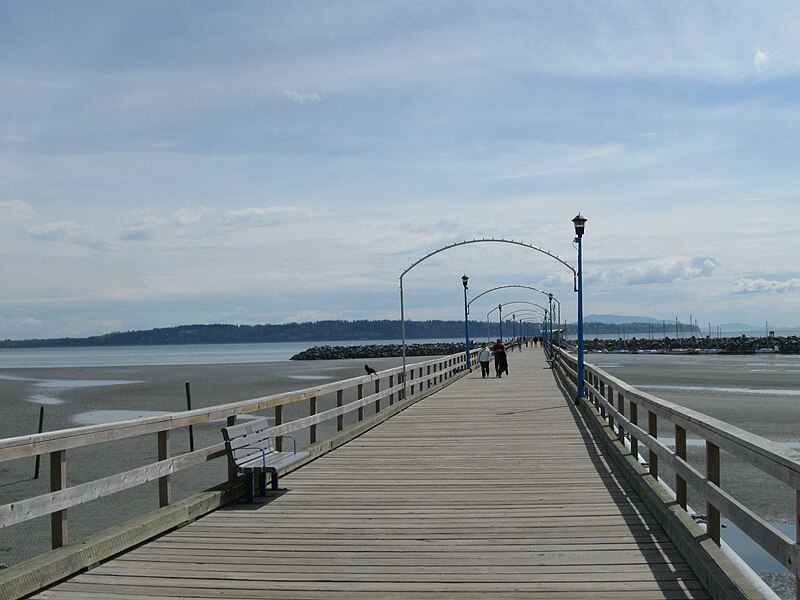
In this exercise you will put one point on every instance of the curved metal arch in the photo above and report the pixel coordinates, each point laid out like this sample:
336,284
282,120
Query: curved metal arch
501,287
527,312
516,302
496,240
530,319
520,302
448,247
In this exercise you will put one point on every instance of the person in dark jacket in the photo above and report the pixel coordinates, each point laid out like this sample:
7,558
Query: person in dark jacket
500,358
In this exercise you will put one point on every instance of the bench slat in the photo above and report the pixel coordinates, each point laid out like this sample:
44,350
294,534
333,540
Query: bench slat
246,428
276,461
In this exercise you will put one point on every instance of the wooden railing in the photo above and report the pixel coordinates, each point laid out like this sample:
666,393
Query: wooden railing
637,419
382,395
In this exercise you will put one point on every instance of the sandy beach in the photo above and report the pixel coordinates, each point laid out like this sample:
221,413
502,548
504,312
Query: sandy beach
760,394
77,396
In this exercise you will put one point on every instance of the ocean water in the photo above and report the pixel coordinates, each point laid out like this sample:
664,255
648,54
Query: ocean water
196,354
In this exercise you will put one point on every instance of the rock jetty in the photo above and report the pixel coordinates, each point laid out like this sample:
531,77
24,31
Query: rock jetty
377,351
731,345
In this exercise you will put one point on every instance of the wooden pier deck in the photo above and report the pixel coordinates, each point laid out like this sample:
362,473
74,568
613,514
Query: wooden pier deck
488,488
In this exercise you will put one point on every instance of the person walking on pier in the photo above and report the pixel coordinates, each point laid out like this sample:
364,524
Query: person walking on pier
500,358
484,356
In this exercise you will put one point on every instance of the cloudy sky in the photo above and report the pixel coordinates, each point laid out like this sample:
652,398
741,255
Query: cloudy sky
164,163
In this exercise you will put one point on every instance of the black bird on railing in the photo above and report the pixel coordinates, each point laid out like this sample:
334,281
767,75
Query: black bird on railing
370,370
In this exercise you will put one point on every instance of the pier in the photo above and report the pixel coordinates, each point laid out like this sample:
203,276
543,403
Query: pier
443,485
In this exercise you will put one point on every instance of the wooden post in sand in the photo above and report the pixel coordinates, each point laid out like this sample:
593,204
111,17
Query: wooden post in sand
189,407
39,456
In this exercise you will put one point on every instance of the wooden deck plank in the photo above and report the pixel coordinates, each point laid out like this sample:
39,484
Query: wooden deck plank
487,488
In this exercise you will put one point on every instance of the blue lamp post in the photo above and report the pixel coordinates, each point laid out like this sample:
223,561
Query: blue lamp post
500,306
465,280
580,222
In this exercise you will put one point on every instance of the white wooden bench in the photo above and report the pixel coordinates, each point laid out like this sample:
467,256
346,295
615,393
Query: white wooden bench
251,450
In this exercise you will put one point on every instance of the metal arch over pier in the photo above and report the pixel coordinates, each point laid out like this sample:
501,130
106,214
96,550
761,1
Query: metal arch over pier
464,243
503,287
482,240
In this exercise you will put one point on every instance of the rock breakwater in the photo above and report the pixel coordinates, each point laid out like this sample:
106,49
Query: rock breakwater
731,345
377,351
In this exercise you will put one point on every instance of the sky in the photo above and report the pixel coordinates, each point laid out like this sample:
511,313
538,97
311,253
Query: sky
181,162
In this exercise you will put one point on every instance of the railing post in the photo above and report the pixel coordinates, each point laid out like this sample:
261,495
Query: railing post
312,410
797,536
360,396
339,404
652,429
411,376
610,400
621,410
58,481
391,385
713,473
230,422
279,421
378,401
681,491
634,421
600,406
164,482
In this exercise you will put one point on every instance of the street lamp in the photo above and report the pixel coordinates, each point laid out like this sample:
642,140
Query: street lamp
500,306
580,224
465,280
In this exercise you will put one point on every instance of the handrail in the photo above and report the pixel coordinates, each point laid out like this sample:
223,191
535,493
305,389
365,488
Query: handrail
387,384
620,404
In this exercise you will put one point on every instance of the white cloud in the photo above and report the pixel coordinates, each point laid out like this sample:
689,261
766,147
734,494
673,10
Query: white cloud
69,232
26,322
661,271
15,210
266,216
765,286
761,58
299,98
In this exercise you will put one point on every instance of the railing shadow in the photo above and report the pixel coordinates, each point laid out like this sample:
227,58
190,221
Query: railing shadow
640,522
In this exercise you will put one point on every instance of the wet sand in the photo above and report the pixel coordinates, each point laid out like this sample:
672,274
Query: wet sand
75,396
757,393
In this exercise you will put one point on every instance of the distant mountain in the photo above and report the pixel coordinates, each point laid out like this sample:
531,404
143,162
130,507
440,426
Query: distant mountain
739,327
744,327
618,319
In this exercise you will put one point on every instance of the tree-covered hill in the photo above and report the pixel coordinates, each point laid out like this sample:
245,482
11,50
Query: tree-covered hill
317,331
290,332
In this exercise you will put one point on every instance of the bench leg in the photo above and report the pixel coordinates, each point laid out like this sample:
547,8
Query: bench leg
274,477
262,484
250,483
